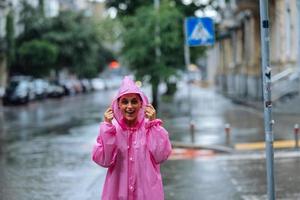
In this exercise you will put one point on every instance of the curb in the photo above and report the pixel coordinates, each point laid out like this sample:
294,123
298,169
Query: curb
277,144
216,148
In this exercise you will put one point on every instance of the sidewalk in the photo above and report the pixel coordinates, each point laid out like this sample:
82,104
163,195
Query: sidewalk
57,165
202,171
239,176
210,114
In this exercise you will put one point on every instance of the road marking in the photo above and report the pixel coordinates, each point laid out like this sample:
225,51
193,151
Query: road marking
261,145
179,154
253,155
253,197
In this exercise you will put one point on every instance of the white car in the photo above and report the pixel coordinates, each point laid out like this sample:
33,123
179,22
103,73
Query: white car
98,84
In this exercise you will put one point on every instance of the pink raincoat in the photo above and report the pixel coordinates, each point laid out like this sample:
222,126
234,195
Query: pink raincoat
132,154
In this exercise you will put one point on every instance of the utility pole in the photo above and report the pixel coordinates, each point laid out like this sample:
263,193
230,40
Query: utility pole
155,79
187,59
298,60
267,103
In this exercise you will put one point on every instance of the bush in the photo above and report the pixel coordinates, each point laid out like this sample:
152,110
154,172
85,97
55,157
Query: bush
37,57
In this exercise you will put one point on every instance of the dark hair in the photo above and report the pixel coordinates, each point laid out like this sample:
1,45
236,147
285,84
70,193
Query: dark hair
141,99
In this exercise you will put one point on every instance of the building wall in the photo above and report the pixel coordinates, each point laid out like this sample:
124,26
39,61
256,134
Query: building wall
3,70
51,8
212,63
239,70
3,65
97,9
284,35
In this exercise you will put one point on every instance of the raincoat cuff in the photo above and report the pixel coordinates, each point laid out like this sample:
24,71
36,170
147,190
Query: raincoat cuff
107,127
107,124
155,122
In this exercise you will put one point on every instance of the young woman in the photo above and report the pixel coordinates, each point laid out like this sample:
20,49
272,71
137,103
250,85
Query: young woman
132,144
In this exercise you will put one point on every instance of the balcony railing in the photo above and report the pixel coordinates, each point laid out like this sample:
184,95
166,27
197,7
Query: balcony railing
283,84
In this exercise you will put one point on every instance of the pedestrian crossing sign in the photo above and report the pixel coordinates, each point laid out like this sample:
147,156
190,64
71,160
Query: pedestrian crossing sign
199,31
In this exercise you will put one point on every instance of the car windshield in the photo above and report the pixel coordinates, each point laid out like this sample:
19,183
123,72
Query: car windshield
13,85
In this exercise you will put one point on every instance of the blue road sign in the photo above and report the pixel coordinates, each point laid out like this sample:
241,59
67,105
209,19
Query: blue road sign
199,31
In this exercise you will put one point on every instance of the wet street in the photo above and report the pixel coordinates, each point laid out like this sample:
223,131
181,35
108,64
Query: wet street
45,150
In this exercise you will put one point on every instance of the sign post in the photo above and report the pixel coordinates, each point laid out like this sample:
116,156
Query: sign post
197,32
267,102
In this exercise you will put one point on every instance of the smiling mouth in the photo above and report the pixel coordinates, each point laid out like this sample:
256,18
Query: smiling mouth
130,112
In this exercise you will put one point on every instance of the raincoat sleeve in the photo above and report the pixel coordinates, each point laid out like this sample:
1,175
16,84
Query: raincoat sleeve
105,150
158,141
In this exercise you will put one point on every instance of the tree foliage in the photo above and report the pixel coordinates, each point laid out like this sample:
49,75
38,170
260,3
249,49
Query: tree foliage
76,37
126,8
77,41
37,56
140,43
10,38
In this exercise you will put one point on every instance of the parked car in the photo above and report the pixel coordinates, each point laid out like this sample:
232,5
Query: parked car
55,90
18,91
76,85
98,84
2,91
68,87
40,88
86,85
113,82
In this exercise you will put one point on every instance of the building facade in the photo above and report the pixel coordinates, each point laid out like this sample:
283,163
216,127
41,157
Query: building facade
4,5
237,55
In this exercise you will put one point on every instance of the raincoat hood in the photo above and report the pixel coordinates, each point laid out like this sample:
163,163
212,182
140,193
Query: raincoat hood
128,86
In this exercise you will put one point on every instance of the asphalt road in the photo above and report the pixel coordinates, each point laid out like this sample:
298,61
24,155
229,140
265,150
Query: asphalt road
46,146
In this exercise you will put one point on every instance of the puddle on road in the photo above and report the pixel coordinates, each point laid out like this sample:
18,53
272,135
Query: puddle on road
50,166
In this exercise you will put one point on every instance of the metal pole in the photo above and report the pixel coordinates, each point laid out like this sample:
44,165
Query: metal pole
228,133
187,59
298,60
296,133
266,74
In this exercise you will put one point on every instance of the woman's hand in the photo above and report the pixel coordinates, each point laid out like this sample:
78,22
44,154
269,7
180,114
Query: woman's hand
150,112
108,115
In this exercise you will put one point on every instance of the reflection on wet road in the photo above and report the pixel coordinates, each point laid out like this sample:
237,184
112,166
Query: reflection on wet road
52,116
45,150
238,177
46,147
48,167
211,111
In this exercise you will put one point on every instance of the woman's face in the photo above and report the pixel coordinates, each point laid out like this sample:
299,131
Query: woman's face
130,105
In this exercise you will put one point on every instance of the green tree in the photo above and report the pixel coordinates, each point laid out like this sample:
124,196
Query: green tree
32,20
38,57
80,46
139,44
76,37
109,30
126,8
10,38
41,7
